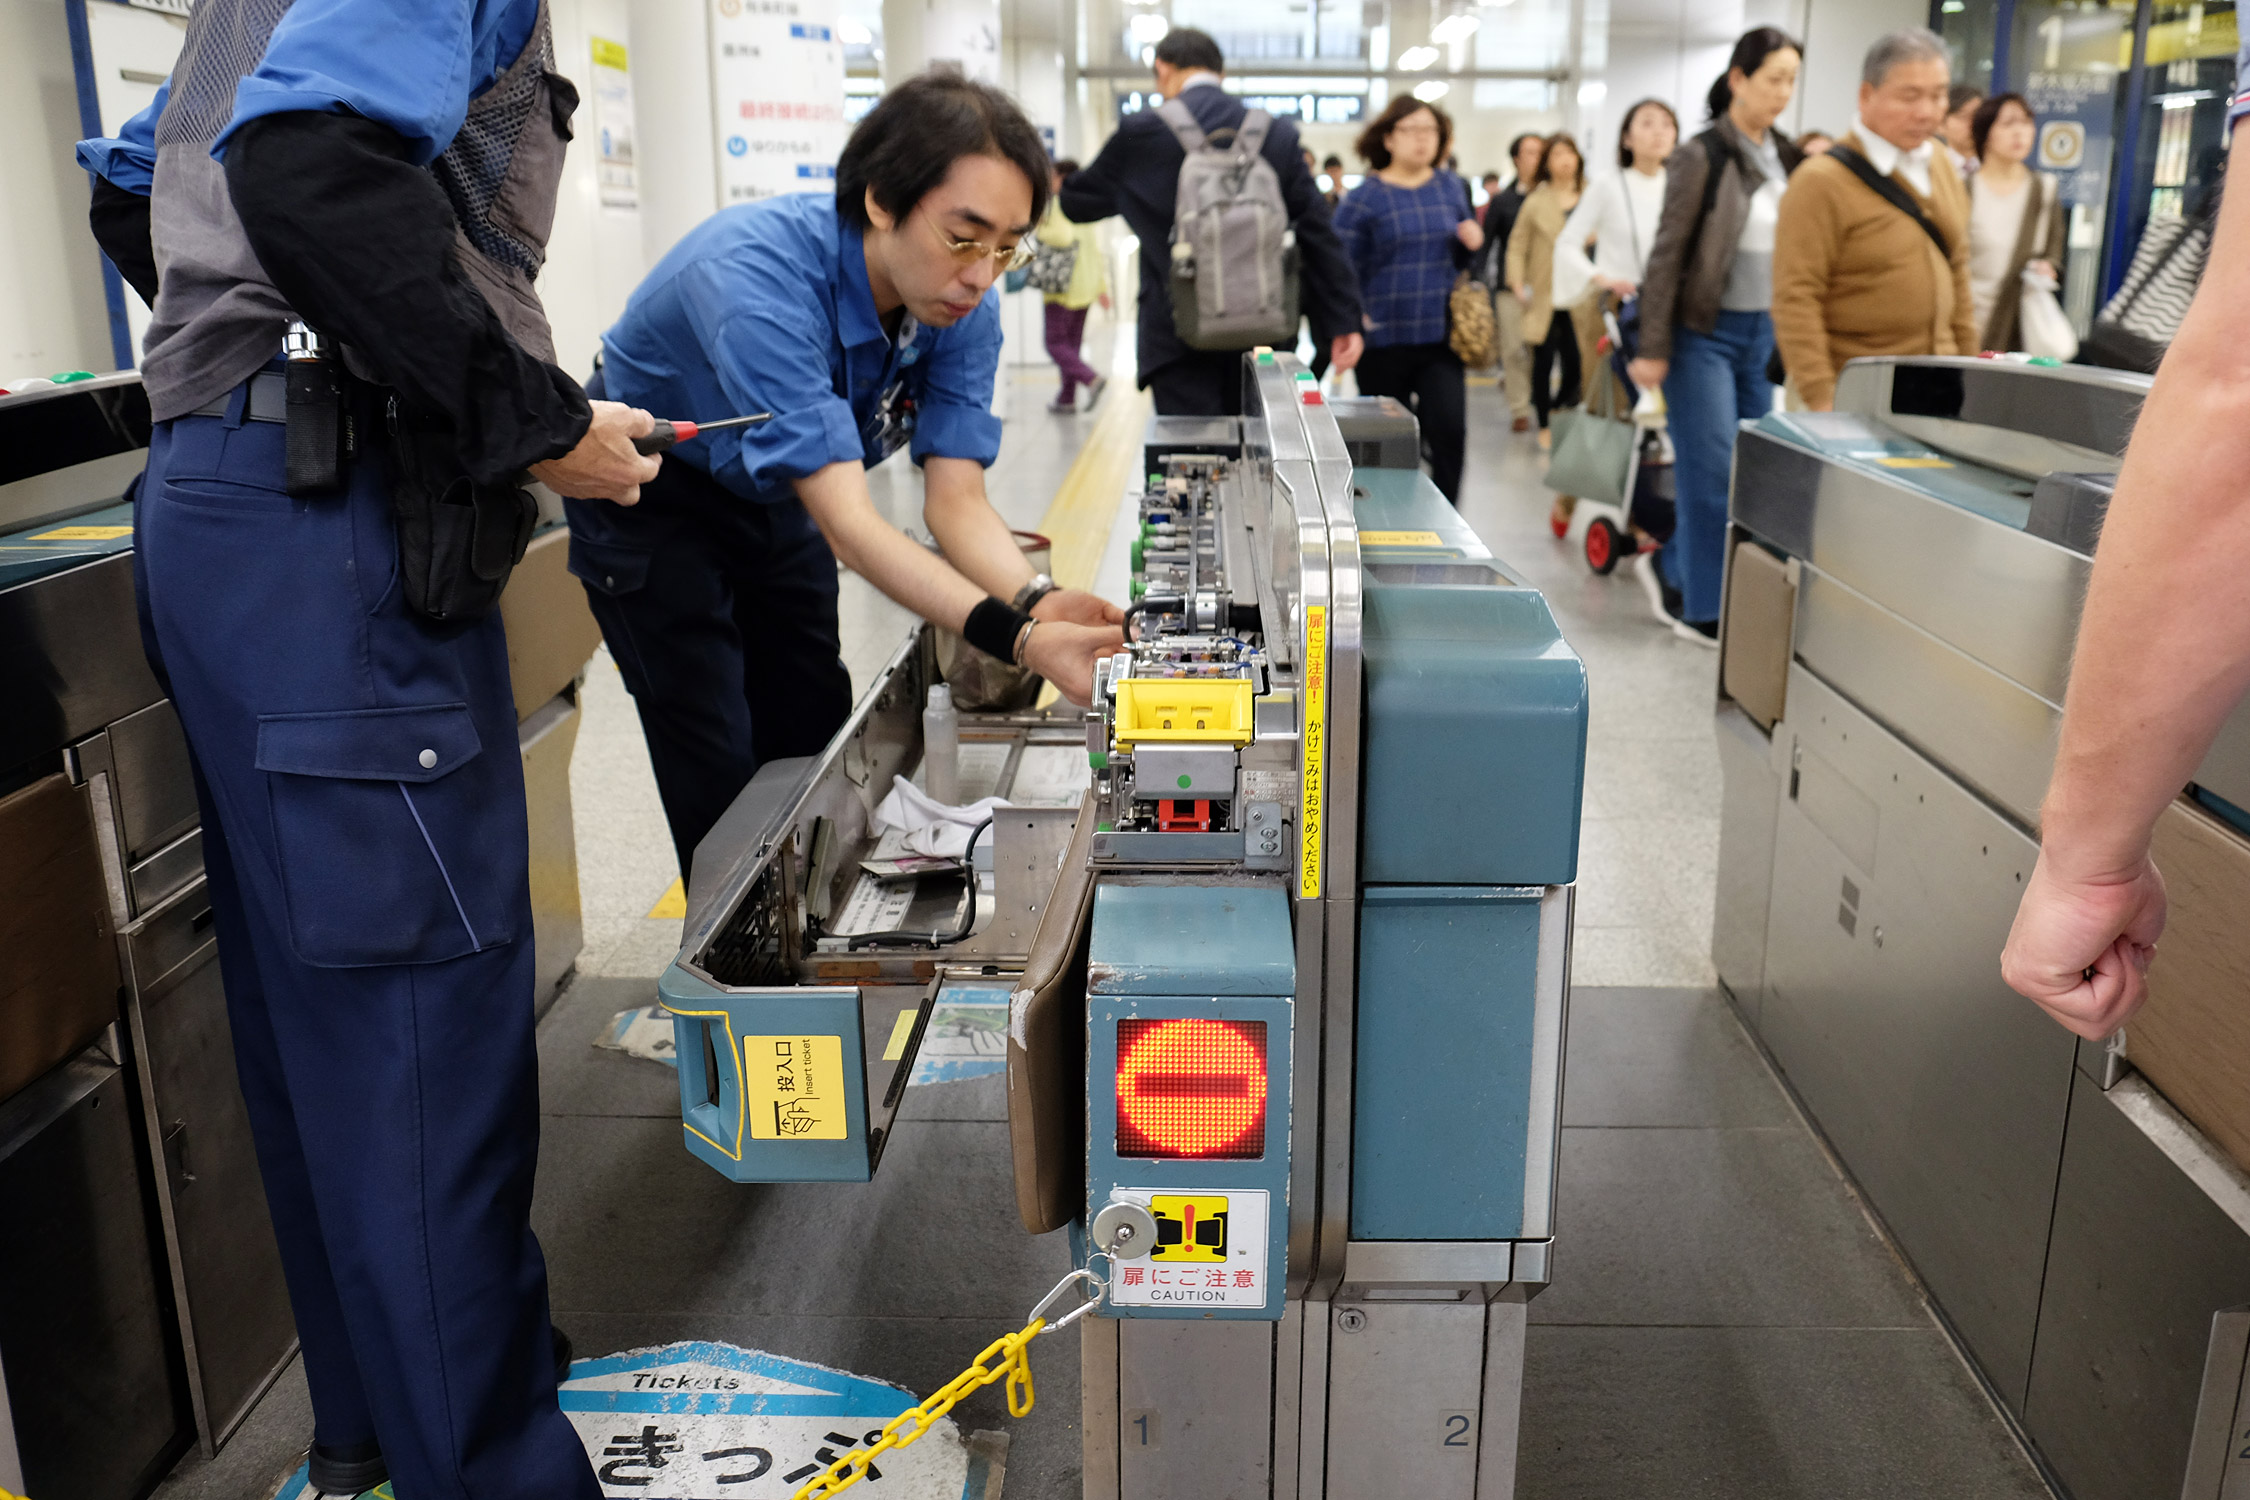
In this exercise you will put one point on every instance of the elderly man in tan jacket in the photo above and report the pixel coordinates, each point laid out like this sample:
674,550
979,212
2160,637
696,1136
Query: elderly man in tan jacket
1853,272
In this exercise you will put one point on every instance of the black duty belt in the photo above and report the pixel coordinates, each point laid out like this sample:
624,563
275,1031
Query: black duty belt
269,399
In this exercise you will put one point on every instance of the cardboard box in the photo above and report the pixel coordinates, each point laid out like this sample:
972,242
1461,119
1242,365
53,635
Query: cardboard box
551,632
2192,1039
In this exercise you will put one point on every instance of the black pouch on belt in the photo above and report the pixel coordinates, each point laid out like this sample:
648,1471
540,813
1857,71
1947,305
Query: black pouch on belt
458,540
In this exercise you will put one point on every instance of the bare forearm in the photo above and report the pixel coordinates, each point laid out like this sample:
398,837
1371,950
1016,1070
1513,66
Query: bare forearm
2164,641
975,539
837,499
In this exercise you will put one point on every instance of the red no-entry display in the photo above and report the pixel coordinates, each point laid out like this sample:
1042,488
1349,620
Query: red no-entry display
1191,1088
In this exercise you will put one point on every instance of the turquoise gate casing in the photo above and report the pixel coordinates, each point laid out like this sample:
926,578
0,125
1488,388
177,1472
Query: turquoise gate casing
1211,952
714,1108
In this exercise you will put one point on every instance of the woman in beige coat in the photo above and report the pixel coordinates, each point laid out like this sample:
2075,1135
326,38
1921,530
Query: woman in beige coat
1531,272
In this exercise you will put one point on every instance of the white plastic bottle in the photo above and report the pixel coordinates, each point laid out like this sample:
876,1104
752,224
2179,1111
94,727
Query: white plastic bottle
941,747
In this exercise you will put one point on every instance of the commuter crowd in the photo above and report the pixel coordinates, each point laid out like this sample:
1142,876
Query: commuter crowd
1632,310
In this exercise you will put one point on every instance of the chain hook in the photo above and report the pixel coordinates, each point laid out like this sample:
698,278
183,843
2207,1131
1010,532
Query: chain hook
1097,1289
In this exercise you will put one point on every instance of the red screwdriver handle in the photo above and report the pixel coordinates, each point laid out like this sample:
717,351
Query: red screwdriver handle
662,436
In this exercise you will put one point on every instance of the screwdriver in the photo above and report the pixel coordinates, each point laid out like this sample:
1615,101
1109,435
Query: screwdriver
665,434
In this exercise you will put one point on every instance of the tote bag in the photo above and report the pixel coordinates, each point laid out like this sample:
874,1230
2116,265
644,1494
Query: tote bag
2041,324
1594,450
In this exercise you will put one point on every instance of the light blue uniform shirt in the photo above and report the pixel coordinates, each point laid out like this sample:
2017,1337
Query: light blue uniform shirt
410,64
767,307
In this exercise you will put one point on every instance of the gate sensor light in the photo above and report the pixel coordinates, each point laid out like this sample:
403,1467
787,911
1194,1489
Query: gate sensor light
1191,1088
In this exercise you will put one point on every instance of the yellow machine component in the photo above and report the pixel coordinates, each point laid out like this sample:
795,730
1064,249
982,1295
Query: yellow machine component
1172,710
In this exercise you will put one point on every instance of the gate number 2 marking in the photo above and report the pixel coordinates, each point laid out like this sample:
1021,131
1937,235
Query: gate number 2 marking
1457,1431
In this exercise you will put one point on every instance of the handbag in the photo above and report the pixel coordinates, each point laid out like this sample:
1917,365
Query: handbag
1051,268
2136,326
1472,327
2041,325
1594,453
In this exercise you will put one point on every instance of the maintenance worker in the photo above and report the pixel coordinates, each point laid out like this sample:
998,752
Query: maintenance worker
865,322
2163,655
1137,174
369,169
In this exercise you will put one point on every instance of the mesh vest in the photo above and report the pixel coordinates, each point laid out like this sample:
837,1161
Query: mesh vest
217,318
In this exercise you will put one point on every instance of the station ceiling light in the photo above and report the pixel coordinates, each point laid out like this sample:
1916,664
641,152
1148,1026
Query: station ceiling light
1458,27
1415,59
1430,90
1148,28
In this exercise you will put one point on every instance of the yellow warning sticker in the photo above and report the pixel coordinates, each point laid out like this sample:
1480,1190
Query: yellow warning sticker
901,1029
793,1087
1189,1228
1316,749
1400,539
1915,463
84,534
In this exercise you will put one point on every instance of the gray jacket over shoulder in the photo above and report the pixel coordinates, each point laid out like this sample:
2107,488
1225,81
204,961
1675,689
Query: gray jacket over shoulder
1690,260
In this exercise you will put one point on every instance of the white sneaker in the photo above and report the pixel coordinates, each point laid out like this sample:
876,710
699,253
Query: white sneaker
1094,392
1644,574
1687,632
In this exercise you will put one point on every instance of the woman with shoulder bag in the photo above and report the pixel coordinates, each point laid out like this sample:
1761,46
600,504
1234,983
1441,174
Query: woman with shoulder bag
1531,272
1066,306
1706,327
1408,229
2015,224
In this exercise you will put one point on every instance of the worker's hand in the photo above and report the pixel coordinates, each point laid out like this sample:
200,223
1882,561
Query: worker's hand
1470,233
1076,607
2081,946
2044,268
1065,654
1616,286
1103,298
604,466
1648,374
1344,352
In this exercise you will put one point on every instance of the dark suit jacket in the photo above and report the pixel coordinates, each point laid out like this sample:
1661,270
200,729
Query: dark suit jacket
1137,174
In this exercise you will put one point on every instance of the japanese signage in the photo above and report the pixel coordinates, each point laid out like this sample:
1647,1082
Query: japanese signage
613,125
711,1421
777,86
793,1087
1316,749
1210,1251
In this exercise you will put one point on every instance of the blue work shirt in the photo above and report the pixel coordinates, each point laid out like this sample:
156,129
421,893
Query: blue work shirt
767,307
413,65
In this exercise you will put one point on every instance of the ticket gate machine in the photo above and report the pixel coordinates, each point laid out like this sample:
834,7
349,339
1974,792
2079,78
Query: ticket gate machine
1287,984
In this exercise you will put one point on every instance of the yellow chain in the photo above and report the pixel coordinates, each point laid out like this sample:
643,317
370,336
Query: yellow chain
1014,1367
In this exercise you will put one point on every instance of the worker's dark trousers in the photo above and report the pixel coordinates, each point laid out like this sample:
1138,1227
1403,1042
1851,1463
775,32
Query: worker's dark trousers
721,613
363,829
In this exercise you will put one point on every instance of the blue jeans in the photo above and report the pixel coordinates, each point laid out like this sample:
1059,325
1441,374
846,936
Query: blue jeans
1717,380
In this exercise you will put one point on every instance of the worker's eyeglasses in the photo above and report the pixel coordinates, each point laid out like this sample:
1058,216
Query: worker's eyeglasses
968,252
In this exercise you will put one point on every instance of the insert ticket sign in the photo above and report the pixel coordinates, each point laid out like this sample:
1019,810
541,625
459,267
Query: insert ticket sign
1210,1250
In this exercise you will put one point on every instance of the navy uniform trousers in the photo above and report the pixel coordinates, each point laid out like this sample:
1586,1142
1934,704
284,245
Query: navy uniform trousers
364,833
721,614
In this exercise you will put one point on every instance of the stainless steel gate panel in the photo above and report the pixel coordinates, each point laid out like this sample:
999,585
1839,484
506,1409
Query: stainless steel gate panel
1750,798
1945,1094
1991,732
1195,1409
2144,1253
235,1320
1406,1392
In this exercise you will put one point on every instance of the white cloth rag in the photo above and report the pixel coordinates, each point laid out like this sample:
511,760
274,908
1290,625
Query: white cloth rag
933,827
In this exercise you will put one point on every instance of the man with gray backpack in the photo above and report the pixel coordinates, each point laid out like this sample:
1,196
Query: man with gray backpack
1234,234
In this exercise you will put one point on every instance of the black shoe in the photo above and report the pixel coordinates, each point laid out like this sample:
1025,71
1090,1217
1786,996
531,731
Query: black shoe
559,1341
345,1470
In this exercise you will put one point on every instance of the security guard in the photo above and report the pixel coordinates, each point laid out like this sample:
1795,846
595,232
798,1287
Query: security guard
381,172
865,322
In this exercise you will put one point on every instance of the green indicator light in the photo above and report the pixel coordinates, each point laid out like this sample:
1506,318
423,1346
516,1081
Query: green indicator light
1186,782
1105,828
1306,377
1098,759
1266,358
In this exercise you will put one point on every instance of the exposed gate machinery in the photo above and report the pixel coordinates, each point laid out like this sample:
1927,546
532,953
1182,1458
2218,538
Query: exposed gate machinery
1286,966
